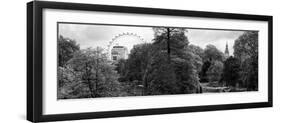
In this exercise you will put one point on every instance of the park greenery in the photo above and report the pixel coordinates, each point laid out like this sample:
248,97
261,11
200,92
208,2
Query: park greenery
168,65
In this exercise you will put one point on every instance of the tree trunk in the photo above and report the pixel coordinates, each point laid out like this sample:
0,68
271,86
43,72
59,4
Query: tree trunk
168,44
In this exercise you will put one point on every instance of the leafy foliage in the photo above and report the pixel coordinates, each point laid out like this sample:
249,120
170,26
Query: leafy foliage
139,61
246,50
212,65
169,39
182,64
93,71
246,46
122,69
67,47
212,53
162,79
70,84
249,74
203,73
231,71
214,71
196,50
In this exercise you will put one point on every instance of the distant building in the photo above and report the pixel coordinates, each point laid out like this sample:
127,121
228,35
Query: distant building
119,52
226,52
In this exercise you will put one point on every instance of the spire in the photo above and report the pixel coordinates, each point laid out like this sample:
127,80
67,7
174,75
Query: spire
226,52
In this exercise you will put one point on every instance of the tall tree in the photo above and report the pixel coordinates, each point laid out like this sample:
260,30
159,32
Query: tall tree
70,85
249,74
246,50
211,59
214,71
186,72
212,53
198,54
139,64
181,61
66,49
164,37
203,73
196,50
246,46
231,71
162,79
96,72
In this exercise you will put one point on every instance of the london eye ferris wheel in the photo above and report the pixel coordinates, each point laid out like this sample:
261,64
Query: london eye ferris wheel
124,40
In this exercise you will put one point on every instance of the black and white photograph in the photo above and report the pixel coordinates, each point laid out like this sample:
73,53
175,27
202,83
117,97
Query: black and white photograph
108,60
90,61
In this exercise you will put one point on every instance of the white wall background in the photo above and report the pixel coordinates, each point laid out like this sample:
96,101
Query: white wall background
13,61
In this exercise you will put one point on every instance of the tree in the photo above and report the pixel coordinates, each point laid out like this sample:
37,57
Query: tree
139,64
196,50
214,71
186,73
231,71
122,69
96,72
203,73
246,46
70,85
249,74
181,64
198,54
246,50
167,66
212,56
162,79
212,53
66,47
164,38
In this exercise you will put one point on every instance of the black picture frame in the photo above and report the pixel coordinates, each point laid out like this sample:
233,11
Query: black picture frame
35,69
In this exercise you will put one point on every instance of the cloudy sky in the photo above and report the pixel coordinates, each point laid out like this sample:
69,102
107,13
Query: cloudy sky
101,35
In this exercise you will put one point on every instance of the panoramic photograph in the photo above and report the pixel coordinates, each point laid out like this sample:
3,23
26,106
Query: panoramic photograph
106,60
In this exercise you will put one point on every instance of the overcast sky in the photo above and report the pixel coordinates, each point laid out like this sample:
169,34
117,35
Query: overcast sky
101,35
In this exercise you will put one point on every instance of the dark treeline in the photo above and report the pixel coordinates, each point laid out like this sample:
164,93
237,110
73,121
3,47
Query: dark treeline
168,65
